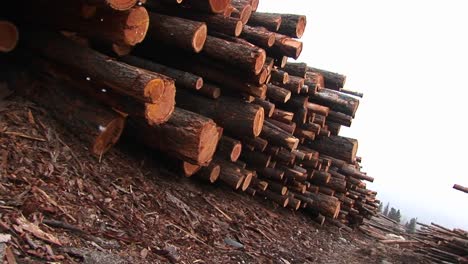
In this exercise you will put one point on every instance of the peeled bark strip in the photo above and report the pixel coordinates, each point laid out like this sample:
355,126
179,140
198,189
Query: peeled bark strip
246,57
279,137
460,188
336,101
292,25
182,79
186,135
212,6
259,36
178,32
334,81
229,148
142,85
298,69
336,146
272,173
209,173
285,46
119,5
234,116
278,94
270,21
96,125
8,36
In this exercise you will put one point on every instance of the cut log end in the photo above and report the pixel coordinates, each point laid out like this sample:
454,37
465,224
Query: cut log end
121,4
271,40
208,143
239,28
236,151
218,6
301,25
258,122
260,61
245,14
199,38
8,36
286,202
190,169
214,174
109,136
137,25
161,112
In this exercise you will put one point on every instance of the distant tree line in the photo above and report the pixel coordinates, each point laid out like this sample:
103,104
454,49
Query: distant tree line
395,215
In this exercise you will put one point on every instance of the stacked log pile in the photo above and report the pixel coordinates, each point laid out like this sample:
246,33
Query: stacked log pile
245,116
442,245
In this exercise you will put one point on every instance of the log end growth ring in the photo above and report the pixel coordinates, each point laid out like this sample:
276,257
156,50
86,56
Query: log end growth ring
8,36
218,6
258,122
109,136
199,38
121,5
136,26
301,25
260,60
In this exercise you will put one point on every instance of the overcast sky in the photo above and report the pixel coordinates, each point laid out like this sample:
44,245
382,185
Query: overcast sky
410,58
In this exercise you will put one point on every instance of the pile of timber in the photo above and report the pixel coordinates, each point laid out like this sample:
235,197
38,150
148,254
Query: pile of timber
442,245
245,117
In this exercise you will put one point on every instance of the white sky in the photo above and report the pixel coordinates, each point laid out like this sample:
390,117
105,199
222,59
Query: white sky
410,58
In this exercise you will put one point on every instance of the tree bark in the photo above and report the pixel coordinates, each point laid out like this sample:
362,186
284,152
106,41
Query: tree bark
229,148
241,11
209,90
298,69
332,80
257,143
178,32
279,76
268,107
233,175
209,173
278,94
292,25
336,101
259,36
290,128
142,85
211,6
279,137
8,36
270,21
282,116
282,200
272,173
294,84
182,79
186,135
336,146
340,118
326,205
236,117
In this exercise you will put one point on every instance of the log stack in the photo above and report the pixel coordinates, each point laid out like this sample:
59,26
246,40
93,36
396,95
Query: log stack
277,122
442,245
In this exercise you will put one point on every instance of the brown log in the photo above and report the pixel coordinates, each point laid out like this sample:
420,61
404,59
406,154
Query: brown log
336,184
320,120
285,156
128,80
293,174
209,173
120,27
304,90
233,175
210,90
279,137
268,107
234,116
337,146
298,187
285,46
282,200
279,76
460,188
332,80
182,79
326,191
267,20
188,169
290,128
229,148
320,177
272,173
315,78
272,150
280,60
277,188
316,108
211,6
259,36
300,117
178,32
292,25
340,118
315,128
120,5
257,143
294,84
186,135
241,11
282,116
99,127
336,101
327,205
294,203
8,36
278,94
255,159
298,69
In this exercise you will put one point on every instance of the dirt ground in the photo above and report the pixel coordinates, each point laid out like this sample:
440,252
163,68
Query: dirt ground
60,204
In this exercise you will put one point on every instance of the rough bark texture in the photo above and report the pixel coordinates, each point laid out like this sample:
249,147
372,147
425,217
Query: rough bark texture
229,148
278,94
279,76
337,101
279,137
334,81
268,107
178,32
210,90
292,25
296,68
259,36
336,146
269,21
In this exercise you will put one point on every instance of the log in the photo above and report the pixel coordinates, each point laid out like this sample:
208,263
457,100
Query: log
279,76
294,203
237,118
340,118
332,80
316,108
278,94
460,188
277,188
210,90
142,85
119,5
209,173
242,11
250,58
320,177
290,128
282,116
327,205
294,84
268,107
233,175
211,6
259,36
186,135
267,20
255,159
285,46
177,32
99,127
272,174
282,200
257,143
182,79
336,101
292,25
229,148
8,36
354,93
120,27
279,137
336,146
297,69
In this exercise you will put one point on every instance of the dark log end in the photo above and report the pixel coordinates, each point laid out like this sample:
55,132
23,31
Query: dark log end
110,135
258,122
136,26
208,142
8,36
260,60
121,4
218,6
199,38
301,24
190,169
